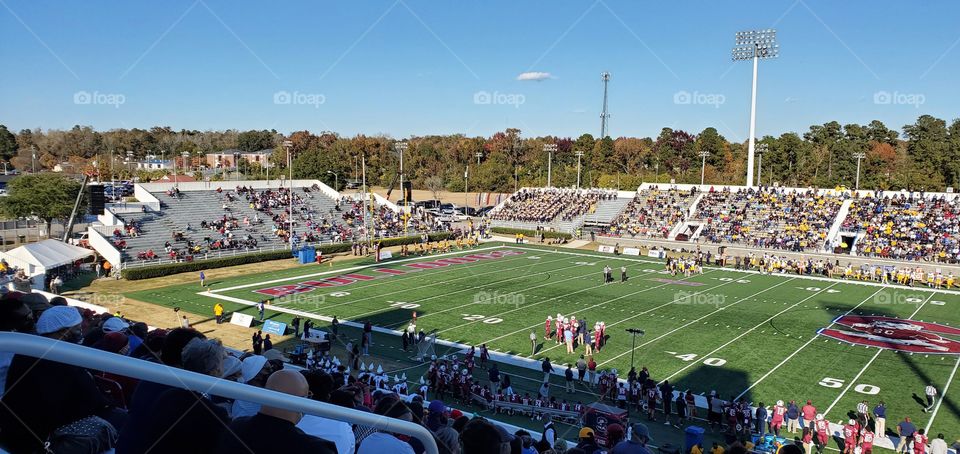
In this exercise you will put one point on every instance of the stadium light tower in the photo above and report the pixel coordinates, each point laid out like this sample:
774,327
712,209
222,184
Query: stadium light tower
859,155
754,45
703,164
761,149
550,148
401,147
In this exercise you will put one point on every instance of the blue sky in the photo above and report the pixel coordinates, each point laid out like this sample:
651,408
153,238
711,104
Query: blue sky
416,67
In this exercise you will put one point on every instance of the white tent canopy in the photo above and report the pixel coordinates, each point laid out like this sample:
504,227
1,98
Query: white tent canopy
37,258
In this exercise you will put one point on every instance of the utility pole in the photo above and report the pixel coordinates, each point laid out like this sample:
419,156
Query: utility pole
859,155
703,164
761,149
579,155
604,114
550,148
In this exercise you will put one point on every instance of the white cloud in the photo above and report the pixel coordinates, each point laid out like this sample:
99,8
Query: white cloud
535,76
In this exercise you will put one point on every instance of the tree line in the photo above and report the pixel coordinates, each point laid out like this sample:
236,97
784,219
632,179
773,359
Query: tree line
924,155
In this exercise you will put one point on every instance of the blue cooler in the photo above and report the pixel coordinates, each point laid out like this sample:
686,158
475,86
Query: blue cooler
694,435
307,254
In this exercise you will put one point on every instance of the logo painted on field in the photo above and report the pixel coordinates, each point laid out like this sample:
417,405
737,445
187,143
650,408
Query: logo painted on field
349,278
678,282
895,334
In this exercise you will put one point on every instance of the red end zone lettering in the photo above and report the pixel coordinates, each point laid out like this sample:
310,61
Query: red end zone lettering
284,290
346,279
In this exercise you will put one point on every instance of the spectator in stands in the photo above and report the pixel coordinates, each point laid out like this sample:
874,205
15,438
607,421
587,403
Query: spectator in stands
16,317
339,432
185,421
382,442
42,396
274,429
637,444
480,436
587,441
132,435
255,372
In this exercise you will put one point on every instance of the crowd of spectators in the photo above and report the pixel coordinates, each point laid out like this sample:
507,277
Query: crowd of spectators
906,226
768,218
653,213
547,204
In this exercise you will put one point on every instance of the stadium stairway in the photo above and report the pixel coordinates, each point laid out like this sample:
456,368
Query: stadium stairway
606,211
838,221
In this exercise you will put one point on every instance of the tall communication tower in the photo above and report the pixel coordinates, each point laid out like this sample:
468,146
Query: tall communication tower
604,115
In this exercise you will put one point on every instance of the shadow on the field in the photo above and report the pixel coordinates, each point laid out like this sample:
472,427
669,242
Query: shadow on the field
726,381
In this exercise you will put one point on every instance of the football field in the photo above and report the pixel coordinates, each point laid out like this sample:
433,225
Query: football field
763,337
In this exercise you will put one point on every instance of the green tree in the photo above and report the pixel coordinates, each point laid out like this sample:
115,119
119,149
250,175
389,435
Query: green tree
48,196
8,144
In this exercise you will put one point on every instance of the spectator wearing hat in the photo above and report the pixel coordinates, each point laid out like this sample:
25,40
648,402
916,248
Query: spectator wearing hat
42,395
637,444
436,415
382,442
338,432
274,429
587,441
140,406
255,370
185,421
16,317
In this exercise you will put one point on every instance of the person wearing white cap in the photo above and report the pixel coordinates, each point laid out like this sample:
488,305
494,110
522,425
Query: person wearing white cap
254,371
44,395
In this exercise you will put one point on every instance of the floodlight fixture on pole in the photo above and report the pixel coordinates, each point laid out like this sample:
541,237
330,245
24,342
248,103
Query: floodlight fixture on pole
635,332
754,45
859,156
478,154
401,147
336,179
761,149
550,148
703,164
579,156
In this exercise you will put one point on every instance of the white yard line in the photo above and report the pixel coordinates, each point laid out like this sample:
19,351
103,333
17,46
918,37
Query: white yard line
865,367
496,283
943,395
355,268
688,323
606,302
815,337
797,276
750,330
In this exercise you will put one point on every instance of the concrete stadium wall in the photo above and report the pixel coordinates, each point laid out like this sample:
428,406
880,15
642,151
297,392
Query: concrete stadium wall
740,250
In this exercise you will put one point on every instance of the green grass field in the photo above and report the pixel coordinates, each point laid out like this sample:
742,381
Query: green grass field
734,332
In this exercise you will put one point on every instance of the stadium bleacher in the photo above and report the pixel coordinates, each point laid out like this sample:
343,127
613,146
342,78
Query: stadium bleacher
906,226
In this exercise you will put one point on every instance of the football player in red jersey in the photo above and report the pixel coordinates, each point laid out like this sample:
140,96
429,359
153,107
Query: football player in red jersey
849,437
822,427
866,441
776,419
919,442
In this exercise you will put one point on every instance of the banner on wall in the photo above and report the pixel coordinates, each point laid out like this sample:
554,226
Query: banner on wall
605,248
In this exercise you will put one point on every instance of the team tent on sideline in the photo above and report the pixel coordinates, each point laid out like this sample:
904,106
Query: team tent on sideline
37,259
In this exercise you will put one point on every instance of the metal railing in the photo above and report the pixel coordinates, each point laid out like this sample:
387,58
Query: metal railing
67,353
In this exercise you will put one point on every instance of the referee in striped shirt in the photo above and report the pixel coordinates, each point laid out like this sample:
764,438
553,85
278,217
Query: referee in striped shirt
863,413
